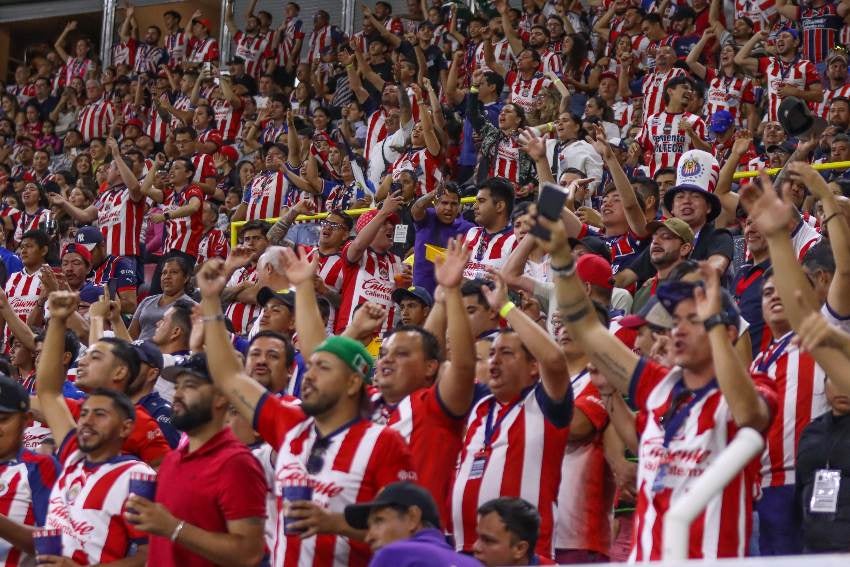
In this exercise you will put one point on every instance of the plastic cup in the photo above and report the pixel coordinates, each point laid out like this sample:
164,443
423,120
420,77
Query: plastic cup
292,494
47,542
144,485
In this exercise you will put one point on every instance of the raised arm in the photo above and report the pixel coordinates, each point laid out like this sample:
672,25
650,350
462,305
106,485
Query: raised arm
503,7
365,237
124,31
308,320
147,188
603,24
59,45
50,375
229,18
692,60
457,380
432,142
513,271
750,64
549,356
226,369
392,39
127,175
634,212
613,359
453,93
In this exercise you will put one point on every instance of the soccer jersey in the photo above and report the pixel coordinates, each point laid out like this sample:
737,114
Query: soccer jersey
801,397
253,49
87,504
523,92
120,220
214,244
293,30
372,278
653,90
488,250
22,290
667,468
96,118
184,233
357,460
664,137
265,195
241,314
727,93
799,73
513,449
822,108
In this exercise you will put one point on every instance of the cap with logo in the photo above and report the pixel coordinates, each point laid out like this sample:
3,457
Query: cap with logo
405,494
89,236
594,245
416,292
285,296
195,365
671,294
351,352
697,171
366,217
149,353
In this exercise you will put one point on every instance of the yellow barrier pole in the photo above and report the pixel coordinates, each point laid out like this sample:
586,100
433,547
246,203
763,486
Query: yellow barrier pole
236,225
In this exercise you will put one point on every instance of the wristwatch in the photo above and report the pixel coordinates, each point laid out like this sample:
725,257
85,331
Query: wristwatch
713,321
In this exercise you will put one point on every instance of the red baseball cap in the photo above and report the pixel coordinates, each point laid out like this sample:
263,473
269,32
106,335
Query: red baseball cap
133,122
229,152
595,270
215,137
204,22
82,251
366,217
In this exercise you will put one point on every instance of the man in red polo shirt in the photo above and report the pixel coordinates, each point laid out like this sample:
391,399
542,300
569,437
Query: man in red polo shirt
200,518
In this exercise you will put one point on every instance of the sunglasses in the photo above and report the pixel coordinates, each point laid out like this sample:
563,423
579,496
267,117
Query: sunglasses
316,460
332,225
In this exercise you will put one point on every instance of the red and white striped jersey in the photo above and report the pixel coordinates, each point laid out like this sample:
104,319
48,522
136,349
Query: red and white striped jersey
23,290
550,62
228,119
727,93
506,161
176,46
759,11
157,127
204,167
75,67
586,493
435,439
293,31
214,244
96,118
319,39
488,250
210,135
664,137
372,278
183,233
358,460
271,132
799,73
822,108
803,237
723,529
241,314
801,397
124,53
265,195
28,222
184,103
653,90
148,57
253,49
203,50
87,504
424,164
522,447
120,221
375,130
25,484
14,214
330,270
523,92
501,54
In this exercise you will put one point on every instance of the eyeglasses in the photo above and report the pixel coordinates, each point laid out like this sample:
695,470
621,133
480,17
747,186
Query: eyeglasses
332,225
316,460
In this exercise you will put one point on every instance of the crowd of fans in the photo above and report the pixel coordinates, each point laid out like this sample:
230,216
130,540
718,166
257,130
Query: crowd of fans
409,357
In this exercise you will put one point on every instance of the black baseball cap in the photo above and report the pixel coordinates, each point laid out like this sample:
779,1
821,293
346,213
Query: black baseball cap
285,296
195,365
594,245
671,293
405,494
13,396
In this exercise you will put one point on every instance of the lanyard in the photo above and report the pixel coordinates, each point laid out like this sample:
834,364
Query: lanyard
783,70
491,427
676,416
776,351
484,239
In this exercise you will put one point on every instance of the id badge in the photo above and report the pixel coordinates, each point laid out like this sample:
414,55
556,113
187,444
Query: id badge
479,463
400,234
825,493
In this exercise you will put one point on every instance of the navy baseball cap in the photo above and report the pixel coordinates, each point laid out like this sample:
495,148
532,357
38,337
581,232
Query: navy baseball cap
285,296
594,245
195,365
89,236
670,294
13,396
149,353
413,292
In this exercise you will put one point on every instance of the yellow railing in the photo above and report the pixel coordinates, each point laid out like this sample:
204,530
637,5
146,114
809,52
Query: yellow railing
234,226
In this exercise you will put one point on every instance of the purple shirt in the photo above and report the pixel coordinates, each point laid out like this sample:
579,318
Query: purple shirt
431,231
425,548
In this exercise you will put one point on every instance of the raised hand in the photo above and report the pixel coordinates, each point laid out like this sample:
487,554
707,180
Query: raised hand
63,304
238,257
743,140
708,298
211,279
71,26
498,296
600,142
112,144
368,319
557,245
806,175
767,210
101,307
533,145
48,280
449,267
296,268
393,202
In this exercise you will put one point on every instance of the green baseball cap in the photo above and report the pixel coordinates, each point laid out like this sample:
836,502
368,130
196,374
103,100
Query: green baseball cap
351,352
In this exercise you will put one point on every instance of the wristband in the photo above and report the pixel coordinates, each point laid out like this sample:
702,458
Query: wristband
829,218
213,318
564,271
713,321
177,530
575,315
551,126
506,308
